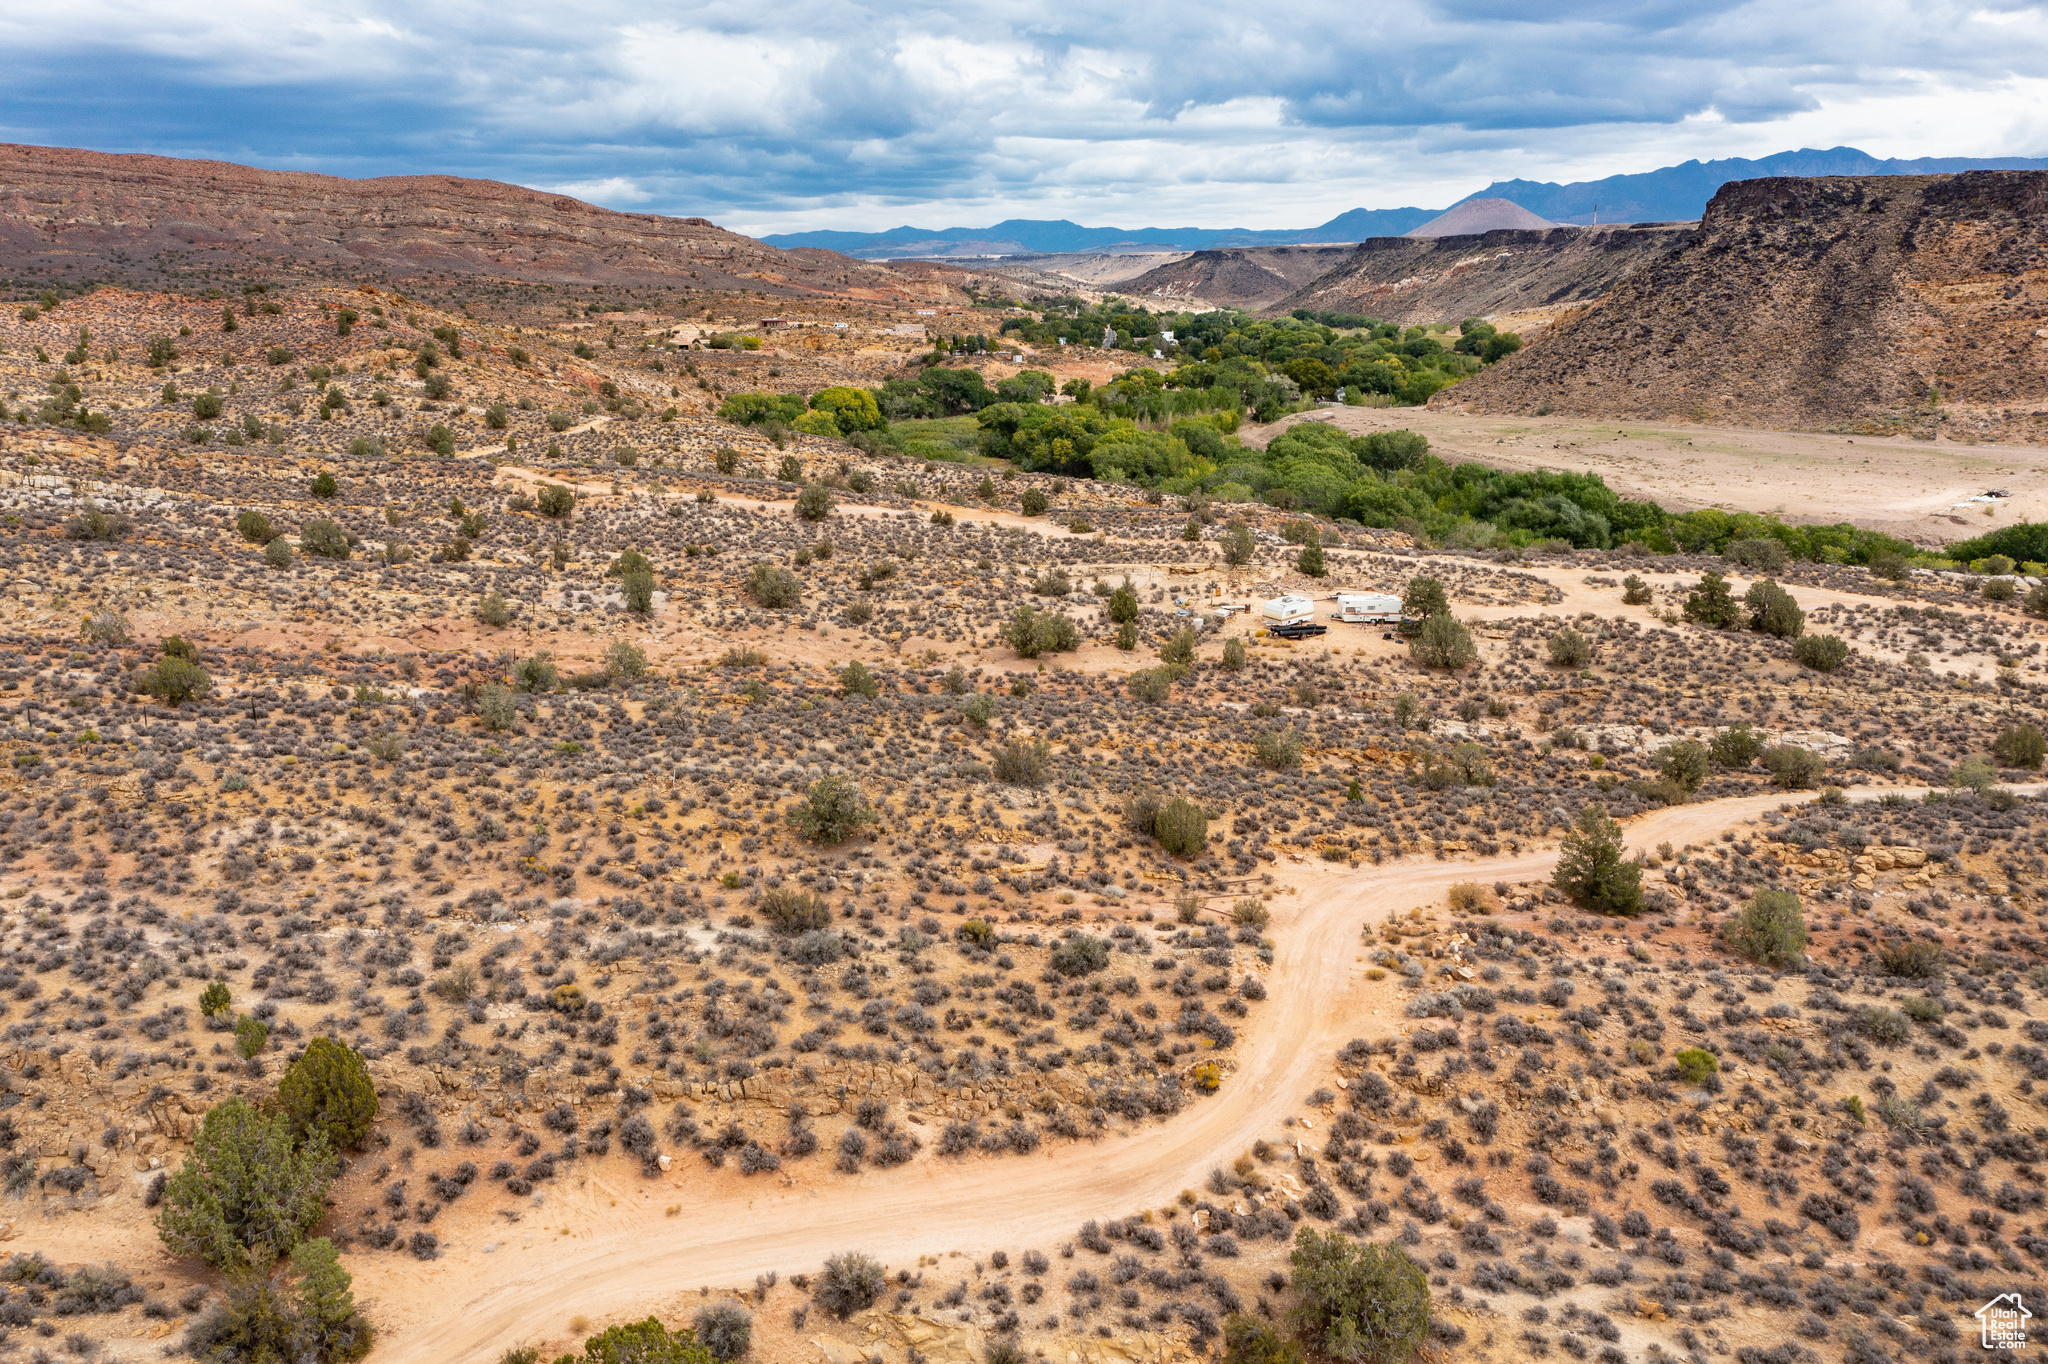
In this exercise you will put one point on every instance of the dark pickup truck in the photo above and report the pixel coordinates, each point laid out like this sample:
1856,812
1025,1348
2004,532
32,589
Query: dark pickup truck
1298,629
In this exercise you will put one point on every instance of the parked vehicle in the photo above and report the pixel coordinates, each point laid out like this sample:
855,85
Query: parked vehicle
1368,608
1285,610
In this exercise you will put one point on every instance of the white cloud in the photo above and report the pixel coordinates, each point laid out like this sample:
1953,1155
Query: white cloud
612,192
845,113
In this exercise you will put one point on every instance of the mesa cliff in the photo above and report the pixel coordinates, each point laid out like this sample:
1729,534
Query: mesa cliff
1863,303
68,215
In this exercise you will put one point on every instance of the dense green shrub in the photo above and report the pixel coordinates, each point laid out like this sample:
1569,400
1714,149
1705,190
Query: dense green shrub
1024,762
833,811
1757,554
1695,1064
1684,764
814,503
1031,632
1153,686
1182,827
495,707
636,590
324,538
1425,597
328,1091
1822,653
1736,747
1278,749
1080,955
1793,767
792,911
1444,642
1570,649
1711,603
248,1192
1772,610
308,1316
1358,1302
642,1342
176,680
773,586
537,673
1310,561
1247,1340
555,501
251,1036
857,679
1591,870
2019,745
1769,929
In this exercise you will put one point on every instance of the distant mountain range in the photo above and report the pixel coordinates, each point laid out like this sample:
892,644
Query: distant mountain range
1672,194
1039,236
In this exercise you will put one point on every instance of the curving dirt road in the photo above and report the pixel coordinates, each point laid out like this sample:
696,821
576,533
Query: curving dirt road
470,1305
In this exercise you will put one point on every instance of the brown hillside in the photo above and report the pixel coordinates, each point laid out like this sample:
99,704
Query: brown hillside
1845,301
1443,279
72,215
1238,277
1482,215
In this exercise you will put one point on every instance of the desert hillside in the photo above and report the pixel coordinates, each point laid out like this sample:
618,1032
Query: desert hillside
530,806
1904,303
1442,279
68,215
1237,277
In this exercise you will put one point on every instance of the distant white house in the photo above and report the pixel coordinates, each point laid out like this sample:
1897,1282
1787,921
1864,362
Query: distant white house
2004,1322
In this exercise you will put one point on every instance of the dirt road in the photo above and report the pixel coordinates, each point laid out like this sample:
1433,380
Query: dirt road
621,1258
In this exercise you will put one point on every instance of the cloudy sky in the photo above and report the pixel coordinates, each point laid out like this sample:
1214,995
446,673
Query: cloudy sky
796,114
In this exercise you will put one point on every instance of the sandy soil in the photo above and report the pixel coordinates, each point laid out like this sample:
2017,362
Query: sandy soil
603,1252
1900,486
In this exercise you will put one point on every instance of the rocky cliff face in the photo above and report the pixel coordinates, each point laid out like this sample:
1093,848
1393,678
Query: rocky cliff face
1235,277
1442,279
1868,303
70,215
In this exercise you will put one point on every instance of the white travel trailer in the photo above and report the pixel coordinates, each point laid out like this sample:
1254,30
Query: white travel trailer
1287,610
1368,608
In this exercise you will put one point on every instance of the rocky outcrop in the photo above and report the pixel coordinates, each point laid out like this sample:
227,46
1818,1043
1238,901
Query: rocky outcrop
1238,277
1414,280
1887,303
150,219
